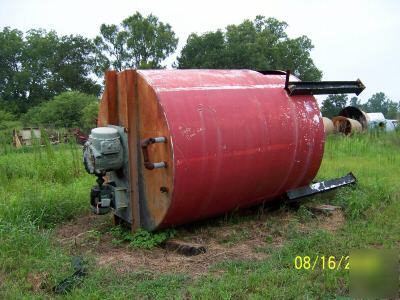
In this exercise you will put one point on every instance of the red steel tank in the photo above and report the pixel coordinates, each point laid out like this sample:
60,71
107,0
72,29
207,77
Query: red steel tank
200,143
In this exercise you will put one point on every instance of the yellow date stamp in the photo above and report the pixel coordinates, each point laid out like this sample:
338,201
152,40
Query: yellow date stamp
322,262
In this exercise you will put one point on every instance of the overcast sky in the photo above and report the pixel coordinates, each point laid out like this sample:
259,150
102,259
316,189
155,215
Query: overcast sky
352,39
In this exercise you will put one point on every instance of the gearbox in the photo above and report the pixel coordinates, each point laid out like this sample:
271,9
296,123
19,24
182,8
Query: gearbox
105,155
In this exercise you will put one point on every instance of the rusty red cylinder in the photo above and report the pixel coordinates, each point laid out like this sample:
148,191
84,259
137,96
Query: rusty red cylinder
235,138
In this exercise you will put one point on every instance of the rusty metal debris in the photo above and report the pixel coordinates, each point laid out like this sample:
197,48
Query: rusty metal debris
183,248
346,126
357,114
352,119
26,137
29,136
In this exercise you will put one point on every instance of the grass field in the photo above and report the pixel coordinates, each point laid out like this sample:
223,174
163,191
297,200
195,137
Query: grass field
42,189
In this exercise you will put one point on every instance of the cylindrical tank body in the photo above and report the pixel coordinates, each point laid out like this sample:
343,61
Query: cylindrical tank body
378,121
234,138
390,125
328,125
357,114
346,126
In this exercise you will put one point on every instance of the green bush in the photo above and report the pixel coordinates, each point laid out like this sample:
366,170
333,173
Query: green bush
89,116
8,121
67,110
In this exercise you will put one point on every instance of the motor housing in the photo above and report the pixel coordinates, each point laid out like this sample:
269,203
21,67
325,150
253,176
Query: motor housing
103,151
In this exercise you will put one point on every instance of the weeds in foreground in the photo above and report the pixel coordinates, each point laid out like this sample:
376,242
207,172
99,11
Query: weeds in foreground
141,238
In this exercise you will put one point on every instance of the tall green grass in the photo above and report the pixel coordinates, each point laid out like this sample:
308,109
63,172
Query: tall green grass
374,158
41,187
46,185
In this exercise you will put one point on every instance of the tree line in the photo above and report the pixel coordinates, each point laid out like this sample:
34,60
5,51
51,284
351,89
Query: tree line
378,102
40,67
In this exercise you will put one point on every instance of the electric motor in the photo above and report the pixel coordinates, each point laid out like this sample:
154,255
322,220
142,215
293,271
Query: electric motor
103,151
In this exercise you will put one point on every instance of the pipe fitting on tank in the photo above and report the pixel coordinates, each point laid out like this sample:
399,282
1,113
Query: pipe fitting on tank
147,163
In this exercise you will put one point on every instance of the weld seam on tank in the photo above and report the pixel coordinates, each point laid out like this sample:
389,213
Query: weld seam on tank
293,108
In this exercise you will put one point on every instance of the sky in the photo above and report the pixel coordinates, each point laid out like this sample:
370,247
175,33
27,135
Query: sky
353,39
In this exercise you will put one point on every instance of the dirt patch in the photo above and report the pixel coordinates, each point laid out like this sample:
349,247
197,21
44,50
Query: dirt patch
82,225
332,222
160,260
37,281
224,239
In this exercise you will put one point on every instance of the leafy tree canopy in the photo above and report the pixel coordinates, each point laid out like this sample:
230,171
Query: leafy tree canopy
261,44
39,65
355,101
379,102
333,104
138,42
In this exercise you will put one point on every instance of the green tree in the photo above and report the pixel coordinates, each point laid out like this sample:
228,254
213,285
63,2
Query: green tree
112,50
67,110
333,104
377,103
354,101
89,116
213,54
73,66
39,65
261,44
14,80
393,111
380,103
139,42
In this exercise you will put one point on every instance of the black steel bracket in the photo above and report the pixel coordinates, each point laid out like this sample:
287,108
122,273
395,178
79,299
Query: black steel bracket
271,72
322,87
320,187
